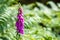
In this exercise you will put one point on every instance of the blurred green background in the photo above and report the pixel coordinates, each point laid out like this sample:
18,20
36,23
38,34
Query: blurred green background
42,19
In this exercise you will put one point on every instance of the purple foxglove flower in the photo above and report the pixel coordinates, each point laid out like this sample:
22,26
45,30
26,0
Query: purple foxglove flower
20,21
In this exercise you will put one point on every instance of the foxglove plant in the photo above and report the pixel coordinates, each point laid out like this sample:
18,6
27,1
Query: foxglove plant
20,21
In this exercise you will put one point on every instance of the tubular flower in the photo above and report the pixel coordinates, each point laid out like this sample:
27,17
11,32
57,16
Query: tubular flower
20,21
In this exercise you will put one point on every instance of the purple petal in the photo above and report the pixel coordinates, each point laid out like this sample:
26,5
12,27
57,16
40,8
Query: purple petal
20,22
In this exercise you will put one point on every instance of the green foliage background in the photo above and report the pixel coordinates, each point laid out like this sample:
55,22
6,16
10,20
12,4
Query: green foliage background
41,22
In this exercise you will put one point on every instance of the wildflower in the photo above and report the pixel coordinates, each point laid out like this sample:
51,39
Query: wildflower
20,21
